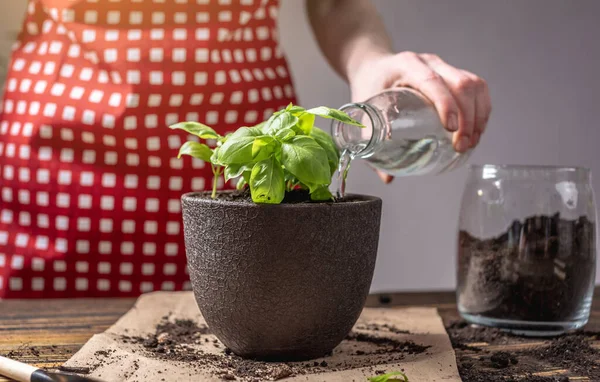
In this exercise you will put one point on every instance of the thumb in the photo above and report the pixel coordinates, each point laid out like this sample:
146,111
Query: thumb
385,178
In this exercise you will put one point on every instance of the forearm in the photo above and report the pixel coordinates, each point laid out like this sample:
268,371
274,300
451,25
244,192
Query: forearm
348,32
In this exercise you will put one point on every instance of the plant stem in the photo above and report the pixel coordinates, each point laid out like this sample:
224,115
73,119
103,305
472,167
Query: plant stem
216,173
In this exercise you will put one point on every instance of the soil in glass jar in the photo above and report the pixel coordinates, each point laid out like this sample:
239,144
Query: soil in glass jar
541,269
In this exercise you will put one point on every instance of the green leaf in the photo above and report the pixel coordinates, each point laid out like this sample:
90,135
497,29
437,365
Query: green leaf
289,177
285,134
246,175
320,194
312,187
306,122
254,131
295,109
291,108
234,170
238,147
197,129
222,140
266,182
263,145
325,112
260,126
326,142
306,160
243,181
264,126
393,376
281,121
196,150
214,158
241,184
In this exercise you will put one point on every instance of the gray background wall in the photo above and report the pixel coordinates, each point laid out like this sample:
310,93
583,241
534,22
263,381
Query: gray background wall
541,59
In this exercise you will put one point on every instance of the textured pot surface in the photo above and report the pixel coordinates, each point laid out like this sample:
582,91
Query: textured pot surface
281,281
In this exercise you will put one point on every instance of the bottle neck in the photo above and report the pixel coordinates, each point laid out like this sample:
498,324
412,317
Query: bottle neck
360,142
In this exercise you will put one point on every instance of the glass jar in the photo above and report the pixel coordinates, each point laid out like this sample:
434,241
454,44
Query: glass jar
527,248
403,134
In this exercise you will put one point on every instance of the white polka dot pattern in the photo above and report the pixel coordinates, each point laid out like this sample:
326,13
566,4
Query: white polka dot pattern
89,180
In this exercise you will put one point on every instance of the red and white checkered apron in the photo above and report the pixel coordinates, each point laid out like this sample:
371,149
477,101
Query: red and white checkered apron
89,180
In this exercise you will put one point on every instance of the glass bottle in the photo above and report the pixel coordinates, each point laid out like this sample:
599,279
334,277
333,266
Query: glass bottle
403,134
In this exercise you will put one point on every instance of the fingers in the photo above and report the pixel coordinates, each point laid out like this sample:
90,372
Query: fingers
483,107
464,89
385,178
461,98
416,74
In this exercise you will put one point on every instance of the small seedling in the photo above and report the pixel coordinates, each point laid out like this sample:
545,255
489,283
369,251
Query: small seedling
284,153
393,376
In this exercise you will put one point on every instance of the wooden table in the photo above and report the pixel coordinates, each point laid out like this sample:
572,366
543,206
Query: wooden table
56,329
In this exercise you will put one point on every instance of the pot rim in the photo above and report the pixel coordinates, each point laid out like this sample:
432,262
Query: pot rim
360,201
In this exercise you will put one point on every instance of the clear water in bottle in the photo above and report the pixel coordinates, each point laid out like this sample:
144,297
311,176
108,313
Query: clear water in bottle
403,136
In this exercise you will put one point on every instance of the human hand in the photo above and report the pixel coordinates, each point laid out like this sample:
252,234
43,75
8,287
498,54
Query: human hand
461,98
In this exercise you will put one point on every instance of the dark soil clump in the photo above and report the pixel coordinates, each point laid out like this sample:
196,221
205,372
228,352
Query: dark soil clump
571,352
297,196
76,370
541,269
185,341
234,196
169,339
502,359
25,351
383,328
461,334
408,347
291,197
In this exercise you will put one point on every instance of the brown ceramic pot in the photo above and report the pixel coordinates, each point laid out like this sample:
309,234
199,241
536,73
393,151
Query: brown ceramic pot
281,282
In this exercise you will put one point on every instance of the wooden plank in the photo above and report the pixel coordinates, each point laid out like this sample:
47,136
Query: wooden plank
56,329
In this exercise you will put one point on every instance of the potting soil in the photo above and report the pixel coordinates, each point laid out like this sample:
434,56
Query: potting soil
541,269
570,357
